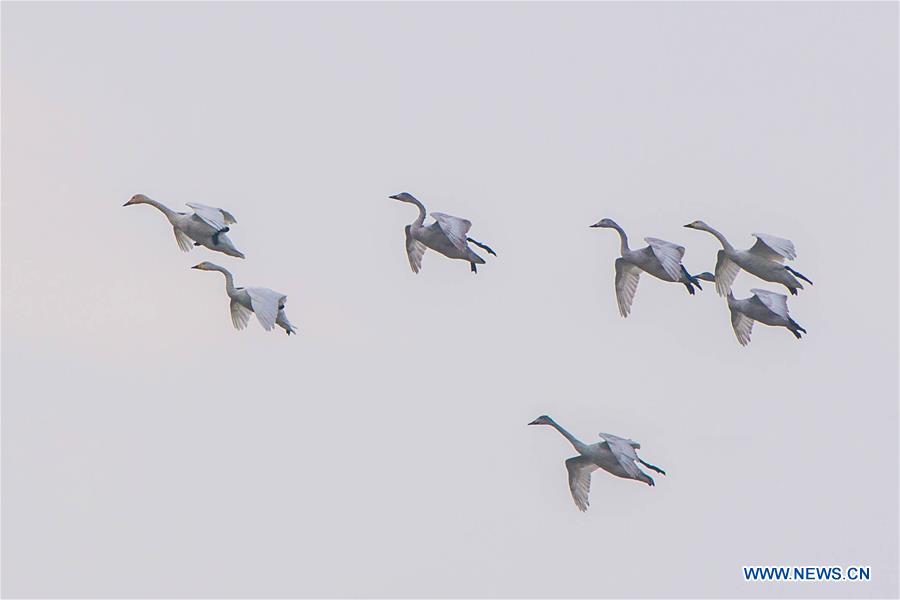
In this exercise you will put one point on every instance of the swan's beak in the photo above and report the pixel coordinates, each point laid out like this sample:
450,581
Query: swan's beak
394,197
535,421
200,266
129,203
690,225
594,225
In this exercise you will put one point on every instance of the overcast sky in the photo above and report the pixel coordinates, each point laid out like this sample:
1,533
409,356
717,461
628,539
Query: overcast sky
151,450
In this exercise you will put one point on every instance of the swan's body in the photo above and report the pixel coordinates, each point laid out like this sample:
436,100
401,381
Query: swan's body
266,304
661,259
205,226
614,455
765,259
447,236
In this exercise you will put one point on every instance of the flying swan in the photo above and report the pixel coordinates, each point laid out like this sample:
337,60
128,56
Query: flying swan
614,455
661,259
266,304
447,236
205,226
765,259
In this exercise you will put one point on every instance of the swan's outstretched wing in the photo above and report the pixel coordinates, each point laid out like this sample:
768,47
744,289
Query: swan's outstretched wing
627,277
773,248
414,251
240,315
742,325
624,452
580,469
214,217
633,444
454,228
777,303
726,271
669,256
184,242
266,304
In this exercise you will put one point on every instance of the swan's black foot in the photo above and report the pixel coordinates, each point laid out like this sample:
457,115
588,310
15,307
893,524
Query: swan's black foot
654,467
482,246
793,291
798,274
474,268
197,243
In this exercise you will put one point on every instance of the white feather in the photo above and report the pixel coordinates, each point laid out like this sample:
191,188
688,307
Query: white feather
669,256
777,303
266,304
214,217
454,228
774,248
627,278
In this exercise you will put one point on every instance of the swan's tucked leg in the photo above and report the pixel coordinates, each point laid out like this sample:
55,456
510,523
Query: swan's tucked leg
795,328
215,236
482,246
792,290
474,268
690,278
197,243
649,466
798,274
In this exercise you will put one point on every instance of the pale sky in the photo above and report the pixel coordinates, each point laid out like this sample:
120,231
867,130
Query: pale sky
151,450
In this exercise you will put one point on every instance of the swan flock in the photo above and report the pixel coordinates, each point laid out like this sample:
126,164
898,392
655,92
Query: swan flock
208,227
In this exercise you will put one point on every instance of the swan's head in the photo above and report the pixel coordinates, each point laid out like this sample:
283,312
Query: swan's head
206,266
137,199
605,223
697,225
542,420
403,197
706,276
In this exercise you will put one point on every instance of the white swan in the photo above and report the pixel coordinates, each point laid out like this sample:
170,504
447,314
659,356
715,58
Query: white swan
447,236
205,226
661,259
266,304
764,306
765,260
614,455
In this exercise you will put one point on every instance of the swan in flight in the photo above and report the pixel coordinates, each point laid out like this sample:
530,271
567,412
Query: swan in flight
205,226
447,236
661,259
614,455
765,259
268,305
766,307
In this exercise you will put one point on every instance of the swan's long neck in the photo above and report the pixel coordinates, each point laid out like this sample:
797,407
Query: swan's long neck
421,219
229,279
622,236
579,446
162,208
725,243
